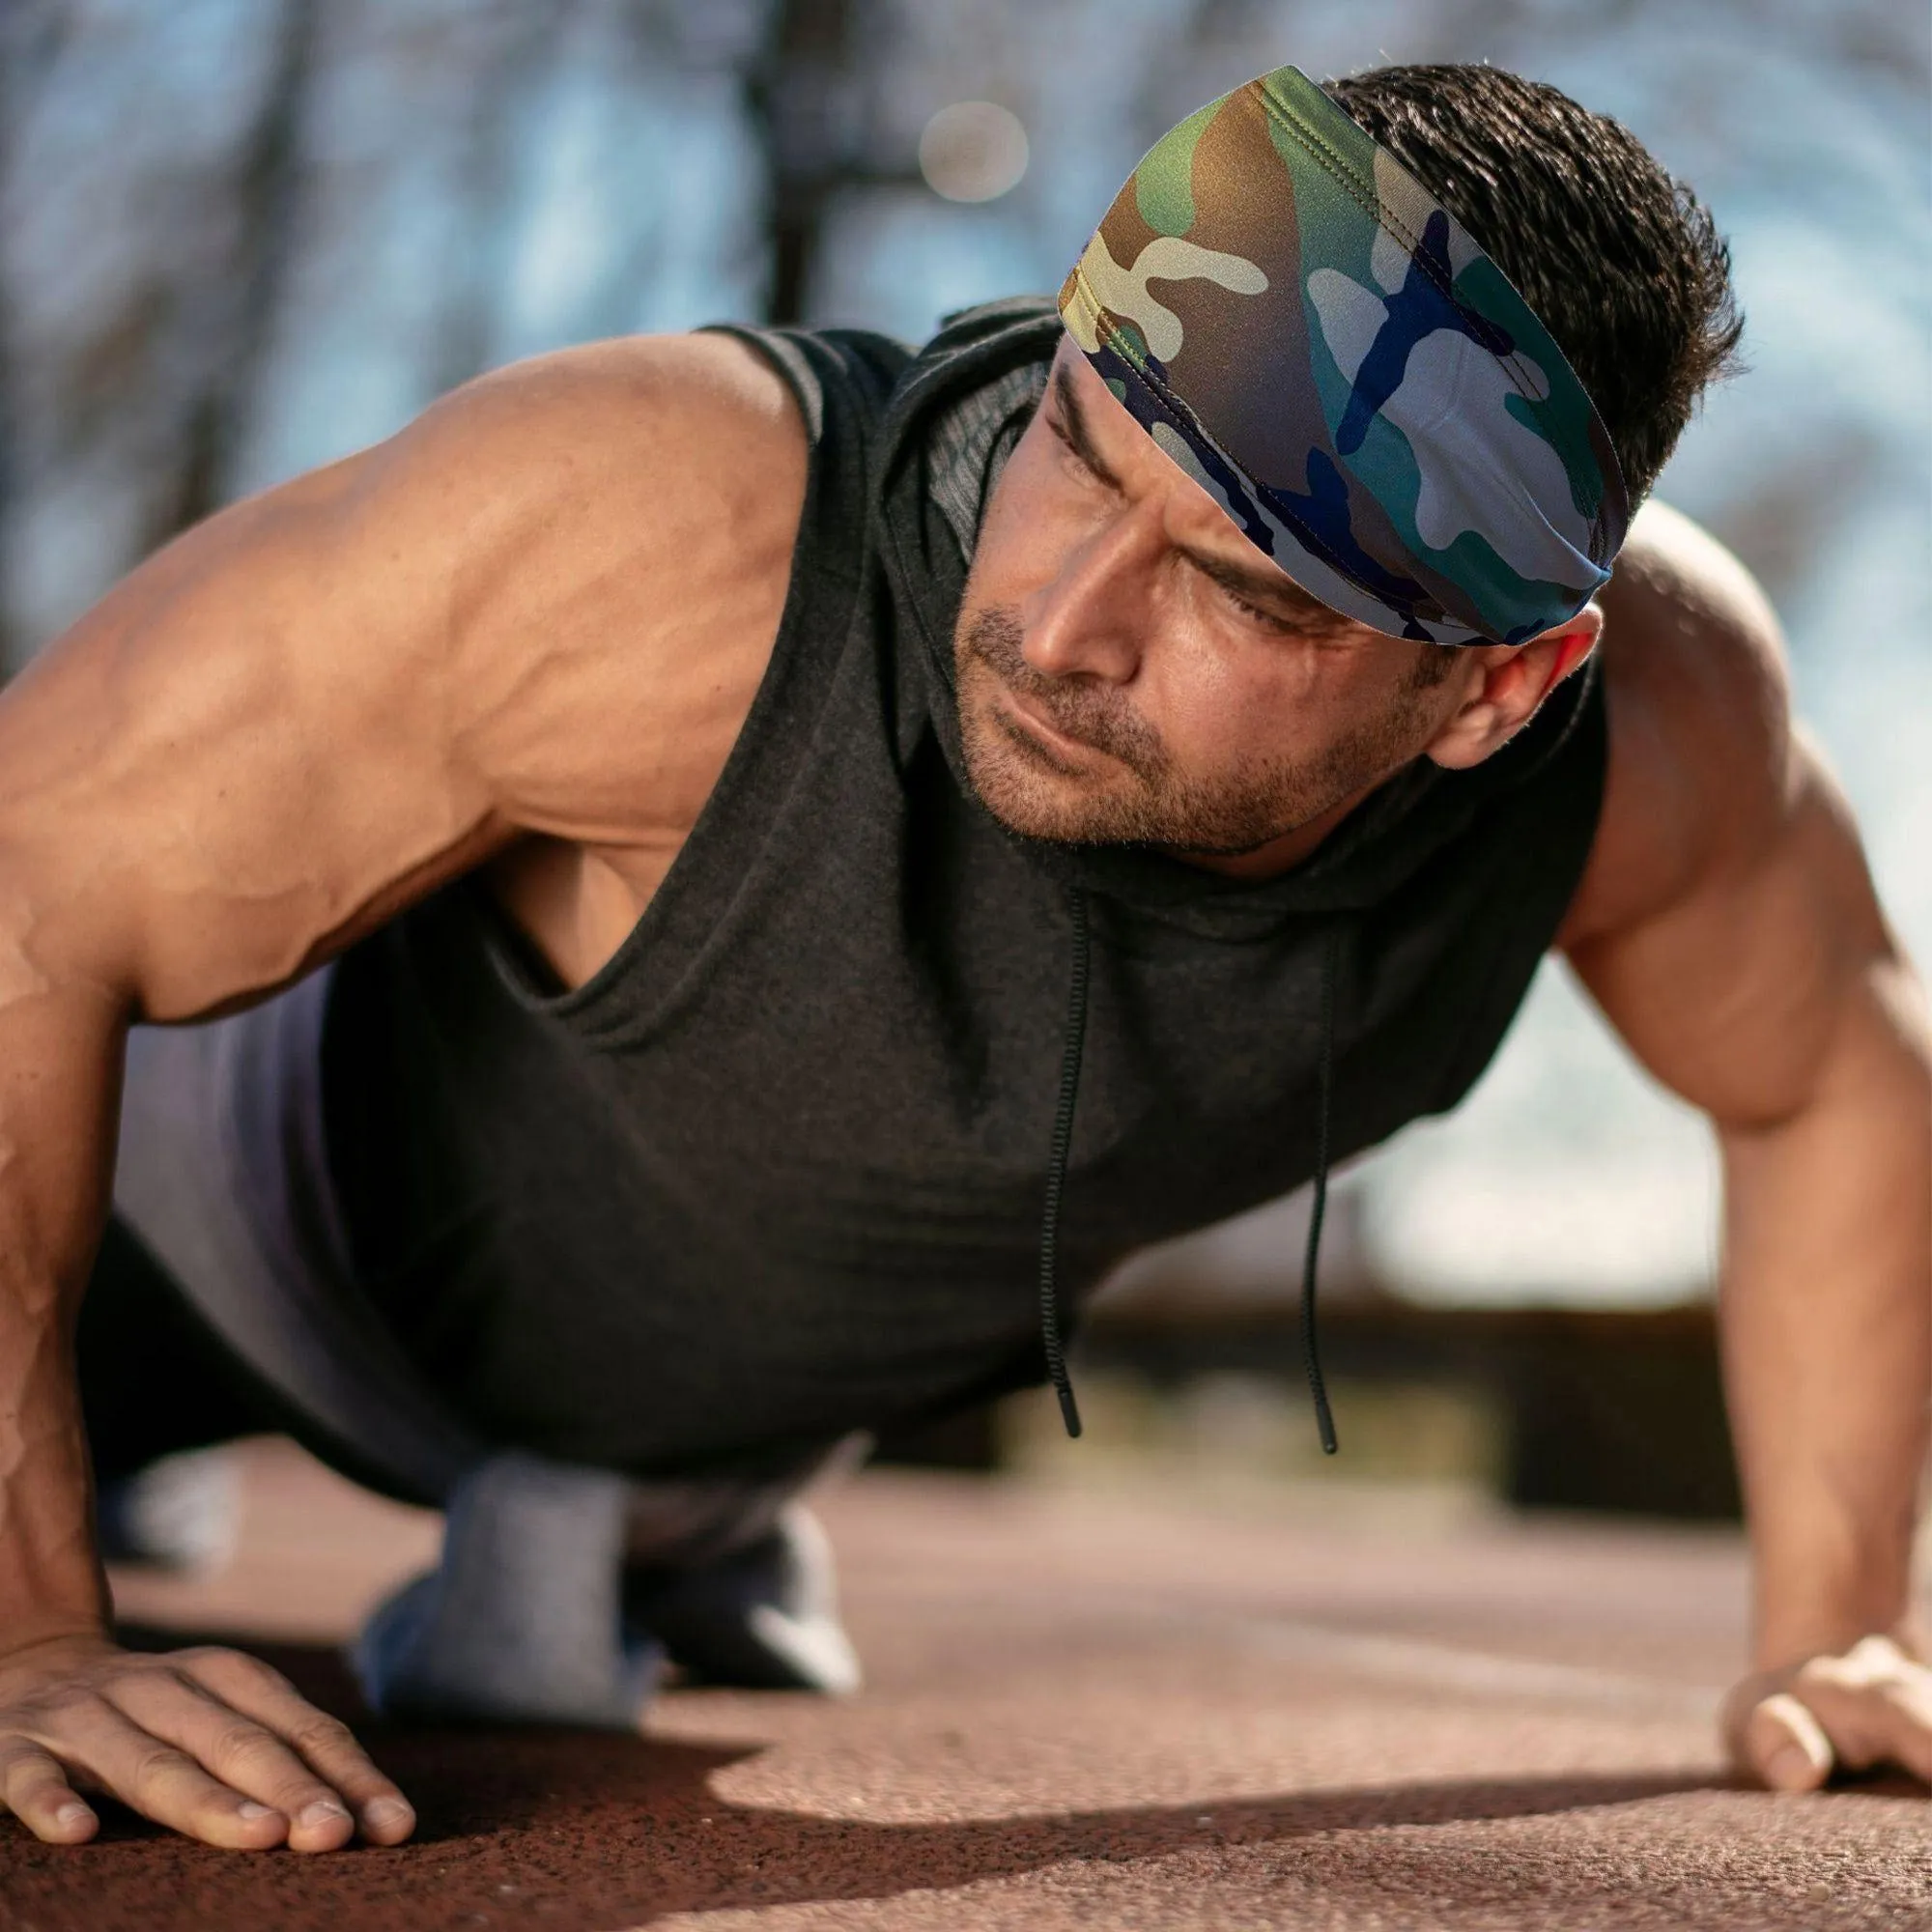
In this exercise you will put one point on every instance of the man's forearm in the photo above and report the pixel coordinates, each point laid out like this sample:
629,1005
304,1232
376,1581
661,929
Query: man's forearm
204,1741
1827,1321
60,1060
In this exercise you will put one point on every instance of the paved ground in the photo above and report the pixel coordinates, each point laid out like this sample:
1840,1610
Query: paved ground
1086,1708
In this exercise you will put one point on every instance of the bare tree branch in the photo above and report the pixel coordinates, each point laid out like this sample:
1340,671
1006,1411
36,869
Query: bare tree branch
31,36
796,90
269,192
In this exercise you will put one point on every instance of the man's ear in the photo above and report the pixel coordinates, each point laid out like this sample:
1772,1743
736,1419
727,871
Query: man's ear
1516,679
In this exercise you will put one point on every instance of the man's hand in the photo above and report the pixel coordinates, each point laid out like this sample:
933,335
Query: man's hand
213,1743
1870,1705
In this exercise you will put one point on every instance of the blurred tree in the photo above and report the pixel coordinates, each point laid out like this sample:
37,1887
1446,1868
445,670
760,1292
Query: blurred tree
147,181
30,32
267,185
803,98
815,91
202,203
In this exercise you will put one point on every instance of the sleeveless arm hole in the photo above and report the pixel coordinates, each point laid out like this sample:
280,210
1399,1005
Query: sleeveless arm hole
839,388
1567,804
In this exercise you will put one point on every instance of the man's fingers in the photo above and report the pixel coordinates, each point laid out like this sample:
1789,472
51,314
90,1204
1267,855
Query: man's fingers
34,1787
328,1747
1906,1733
157,1780
242,1754
209,1742
1785,1745
1875,1709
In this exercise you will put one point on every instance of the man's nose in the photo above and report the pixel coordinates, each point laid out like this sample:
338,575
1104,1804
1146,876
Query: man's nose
1088,619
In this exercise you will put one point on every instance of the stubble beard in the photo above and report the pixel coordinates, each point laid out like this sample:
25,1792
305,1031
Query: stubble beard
1143,800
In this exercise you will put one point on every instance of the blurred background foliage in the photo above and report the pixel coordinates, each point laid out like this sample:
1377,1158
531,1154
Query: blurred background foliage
239,238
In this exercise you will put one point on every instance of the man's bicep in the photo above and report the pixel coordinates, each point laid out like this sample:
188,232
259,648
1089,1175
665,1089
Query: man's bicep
1734,994
540,607
234,761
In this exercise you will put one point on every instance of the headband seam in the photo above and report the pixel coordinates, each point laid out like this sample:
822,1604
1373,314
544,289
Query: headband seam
1368,199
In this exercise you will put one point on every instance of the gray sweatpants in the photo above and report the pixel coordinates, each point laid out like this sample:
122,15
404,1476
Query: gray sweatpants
561,1589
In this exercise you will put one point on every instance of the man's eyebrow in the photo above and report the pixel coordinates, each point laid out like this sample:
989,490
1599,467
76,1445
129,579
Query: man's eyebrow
1278,593
1281,593
1073,430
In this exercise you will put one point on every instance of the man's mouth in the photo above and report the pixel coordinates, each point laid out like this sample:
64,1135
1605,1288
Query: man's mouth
1021,718
1040,737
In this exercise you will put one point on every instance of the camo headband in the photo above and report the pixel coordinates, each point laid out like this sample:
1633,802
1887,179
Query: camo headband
1343,369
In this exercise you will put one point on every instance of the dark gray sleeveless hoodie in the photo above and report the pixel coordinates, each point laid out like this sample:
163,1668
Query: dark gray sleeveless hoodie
777,1171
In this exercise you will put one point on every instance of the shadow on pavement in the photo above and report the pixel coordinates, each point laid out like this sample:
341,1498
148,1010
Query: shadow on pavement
524,1827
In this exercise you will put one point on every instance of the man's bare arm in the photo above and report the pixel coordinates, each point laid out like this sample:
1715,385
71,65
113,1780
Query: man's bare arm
1729,929
534,618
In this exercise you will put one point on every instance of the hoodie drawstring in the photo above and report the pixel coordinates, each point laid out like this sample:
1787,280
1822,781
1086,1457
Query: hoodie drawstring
1323,1420
1056,1170
1072,1049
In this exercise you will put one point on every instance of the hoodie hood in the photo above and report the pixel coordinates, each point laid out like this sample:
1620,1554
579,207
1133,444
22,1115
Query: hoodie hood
954,416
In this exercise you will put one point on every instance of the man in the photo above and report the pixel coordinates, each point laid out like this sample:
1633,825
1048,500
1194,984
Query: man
744,921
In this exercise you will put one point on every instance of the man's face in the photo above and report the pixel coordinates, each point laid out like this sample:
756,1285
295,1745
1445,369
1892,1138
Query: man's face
1133,671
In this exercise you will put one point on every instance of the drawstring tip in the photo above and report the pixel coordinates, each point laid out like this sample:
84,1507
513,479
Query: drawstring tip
1056,1167
1068,1413
1318,1389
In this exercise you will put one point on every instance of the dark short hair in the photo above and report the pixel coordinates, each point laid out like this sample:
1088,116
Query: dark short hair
1620,260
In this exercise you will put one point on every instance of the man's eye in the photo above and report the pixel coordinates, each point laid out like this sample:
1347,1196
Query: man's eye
1272,620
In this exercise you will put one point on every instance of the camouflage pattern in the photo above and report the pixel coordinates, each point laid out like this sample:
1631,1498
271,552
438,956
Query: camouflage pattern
1313,338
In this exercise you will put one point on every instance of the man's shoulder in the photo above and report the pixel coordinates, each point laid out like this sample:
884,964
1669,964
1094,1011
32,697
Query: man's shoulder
693,425
711,375
588,499
632,509
1698,692
623,517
